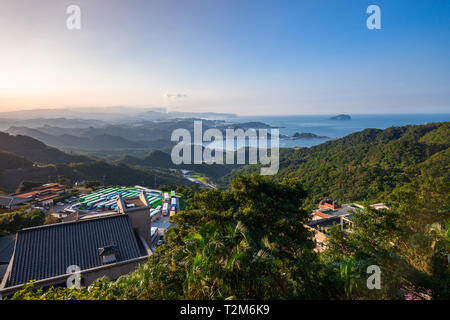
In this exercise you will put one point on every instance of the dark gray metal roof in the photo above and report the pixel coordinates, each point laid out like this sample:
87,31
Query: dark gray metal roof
8,201
47,251
6,248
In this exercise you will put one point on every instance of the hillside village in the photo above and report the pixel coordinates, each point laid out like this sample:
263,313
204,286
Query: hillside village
108,232
112,226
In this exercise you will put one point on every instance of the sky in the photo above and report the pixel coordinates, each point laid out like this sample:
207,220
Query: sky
249,57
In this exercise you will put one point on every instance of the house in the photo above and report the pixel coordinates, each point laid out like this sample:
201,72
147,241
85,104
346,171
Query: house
12,202
328,208
379,206
107,245
138,208
321,228
44,195
329,204
6,251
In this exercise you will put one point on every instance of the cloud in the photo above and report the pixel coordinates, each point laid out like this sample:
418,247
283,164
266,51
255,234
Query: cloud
176,96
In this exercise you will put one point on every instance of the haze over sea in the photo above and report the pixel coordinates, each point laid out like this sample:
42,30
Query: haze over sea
322,126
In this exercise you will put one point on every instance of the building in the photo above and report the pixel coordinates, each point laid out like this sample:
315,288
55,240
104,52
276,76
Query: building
329,204
379,206
328,208
138,208
321,228
44,195
6,251
331,213
107,245
12,202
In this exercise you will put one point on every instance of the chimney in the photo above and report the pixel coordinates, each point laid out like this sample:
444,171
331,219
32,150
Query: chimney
139,215
108,254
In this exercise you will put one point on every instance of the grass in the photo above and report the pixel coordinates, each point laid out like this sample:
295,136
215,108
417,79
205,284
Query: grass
199,177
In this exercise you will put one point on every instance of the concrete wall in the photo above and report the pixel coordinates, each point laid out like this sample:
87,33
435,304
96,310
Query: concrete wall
111,271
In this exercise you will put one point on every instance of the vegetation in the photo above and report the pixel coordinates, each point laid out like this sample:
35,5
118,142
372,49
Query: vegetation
228,245
27,186
410,242
231,245
11,161
36,151
94,184
249,241
367,165
109,174
162,159
25,217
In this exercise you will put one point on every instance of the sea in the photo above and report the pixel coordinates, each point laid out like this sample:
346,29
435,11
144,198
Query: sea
322,126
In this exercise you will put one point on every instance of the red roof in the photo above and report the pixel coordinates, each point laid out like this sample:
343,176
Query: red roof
51,196
38,192
321,214
28,194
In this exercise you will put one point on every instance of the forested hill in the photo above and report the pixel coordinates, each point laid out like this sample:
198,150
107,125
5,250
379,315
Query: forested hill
26,159
161,159
369,164
36,151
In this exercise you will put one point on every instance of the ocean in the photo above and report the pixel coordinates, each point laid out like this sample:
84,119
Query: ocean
321,126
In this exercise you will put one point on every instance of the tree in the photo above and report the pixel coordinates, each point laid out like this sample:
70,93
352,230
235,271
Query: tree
14,221
63,180
93,184
247,243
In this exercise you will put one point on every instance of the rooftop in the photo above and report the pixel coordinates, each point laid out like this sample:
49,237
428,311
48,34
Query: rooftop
6,248
46,251
343,210
51,187
8,201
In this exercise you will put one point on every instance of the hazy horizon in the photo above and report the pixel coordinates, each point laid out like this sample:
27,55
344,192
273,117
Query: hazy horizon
246,58
119,109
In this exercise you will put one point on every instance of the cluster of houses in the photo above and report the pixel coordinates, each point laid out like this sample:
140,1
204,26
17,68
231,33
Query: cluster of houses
42,196
330,213
107,244
102,245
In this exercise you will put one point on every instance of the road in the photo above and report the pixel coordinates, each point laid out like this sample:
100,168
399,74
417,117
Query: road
187,175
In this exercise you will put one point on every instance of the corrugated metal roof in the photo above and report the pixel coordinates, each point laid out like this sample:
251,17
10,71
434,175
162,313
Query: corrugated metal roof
7,201
6,248
47,251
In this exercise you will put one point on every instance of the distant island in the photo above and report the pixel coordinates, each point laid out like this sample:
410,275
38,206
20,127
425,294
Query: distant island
249,125
303,135
341,117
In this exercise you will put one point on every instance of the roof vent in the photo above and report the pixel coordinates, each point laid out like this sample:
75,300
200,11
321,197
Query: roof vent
108,254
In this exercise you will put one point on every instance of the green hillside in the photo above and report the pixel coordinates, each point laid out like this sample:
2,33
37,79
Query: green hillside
18,153
250,242
109,174
366,165
12,161
36,151
160,159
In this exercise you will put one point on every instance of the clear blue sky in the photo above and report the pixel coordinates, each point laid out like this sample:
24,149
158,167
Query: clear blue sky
246,57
